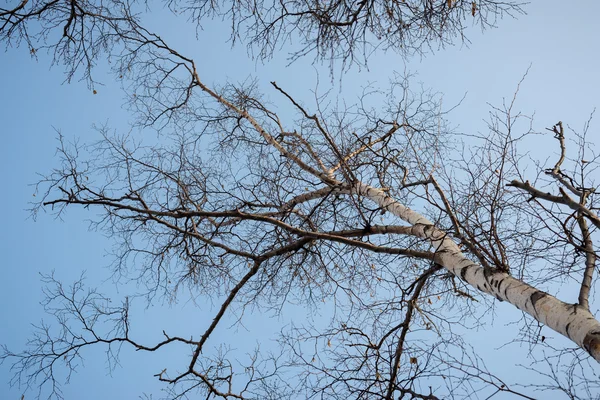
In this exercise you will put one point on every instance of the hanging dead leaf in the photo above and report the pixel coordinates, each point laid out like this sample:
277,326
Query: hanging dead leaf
473,8
94,91
429,301
413,360
449,2
329,343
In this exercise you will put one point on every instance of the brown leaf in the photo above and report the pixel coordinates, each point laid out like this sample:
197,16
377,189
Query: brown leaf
473,8
413,360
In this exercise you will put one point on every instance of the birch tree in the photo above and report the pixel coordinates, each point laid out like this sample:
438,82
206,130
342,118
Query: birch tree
380,210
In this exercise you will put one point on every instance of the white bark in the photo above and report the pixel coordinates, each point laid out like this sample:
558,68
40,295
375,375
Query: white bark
571,320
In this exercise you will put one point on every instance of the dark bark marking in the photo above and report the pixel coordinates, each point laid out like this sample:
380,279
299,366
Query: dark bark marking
463,273
567,329
487,274
592,342
490,274
500,284
537,296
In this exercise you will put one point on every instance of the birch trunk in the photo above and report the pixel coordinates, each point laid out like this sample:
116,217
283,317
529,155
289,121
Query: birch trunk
570,320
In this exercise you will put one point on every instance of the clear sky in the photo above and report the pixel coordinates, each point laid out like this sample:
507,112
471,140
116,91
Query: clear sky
557,40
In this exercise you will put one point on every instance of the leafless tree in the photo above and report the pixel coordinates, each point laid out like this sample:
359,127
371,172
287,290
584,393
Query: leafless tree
340,30
382,210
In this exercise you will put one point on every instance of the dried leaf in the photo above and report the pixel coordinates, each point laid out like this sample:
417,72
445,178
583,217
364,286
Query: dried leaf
473,8
413,360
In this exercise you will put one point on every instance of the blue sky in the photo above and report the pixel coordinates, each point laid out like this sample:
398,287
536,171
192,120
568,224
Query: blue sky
557,41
